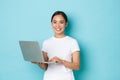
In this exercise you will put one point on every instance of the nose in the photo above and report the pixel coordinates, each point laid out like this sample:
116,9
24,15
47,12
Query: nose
58,25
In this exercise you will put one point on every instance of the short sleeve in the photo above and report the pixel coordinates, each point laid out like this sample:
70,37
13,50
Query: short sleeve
44,47
75,46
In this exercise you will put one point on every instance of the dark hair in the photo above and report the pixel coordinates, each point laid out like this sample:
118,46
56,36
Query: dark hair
59,13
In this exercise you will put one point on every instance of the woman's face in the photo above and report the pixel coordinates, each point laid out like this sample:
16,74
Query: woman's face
59,24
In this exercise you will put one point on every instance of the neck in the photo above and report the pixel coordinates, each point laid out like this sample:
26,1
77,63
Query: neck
59,35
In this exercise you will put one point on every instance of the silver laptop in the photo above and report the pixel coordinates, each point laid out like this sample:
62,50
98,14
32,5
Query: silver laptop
31,51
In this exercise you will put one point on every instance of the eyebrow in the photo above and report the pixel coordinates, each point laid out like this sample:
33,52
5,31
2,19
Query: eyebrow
60,20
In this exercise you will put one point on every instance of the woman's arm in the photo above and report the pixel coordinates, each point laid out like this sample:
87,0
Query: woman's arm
75,64
43,65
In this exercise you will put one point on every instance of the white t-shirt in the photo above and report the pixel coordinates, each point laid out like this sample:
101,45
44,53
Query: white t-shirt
62,48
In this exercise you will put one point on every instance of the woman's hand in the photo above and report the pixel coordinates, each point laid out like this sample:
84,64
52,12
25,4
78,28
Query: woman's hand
42,65
38,63
35,62
56,59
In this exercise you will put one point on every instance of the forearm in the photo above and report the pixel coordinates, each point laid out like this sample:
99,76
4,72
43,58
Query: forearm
75,64
43,66
71,65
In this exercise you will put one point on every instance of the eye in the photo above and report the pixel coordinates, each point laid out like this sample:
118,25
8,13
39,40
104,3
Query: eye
62,22
54,22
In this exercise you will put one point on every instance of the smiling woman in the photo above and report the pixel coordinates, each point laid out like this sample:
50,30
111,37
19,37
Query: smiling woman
94,23
62,49
59,22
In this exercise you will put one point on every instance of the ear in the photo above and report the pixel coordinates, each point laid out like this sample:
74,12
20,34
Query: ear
66,25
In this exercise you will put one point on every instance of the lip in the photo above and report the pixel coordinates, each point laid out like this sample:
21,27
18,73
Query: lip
57,29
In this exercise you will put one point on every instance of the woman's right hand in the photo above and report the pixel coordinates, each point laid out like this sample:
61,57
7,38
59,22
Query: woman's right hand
42,65
38,63
35,62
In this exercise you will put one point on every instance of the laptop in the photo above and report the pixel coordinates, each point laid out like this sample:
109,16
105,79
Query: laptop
31,51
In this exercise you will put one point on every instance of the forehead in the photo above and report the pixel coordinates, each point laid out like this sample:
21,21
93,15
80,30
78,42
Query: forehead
58,17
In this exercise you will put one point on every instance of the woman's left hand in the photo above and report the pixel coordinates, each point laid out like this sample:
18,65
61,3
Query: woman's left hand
56,59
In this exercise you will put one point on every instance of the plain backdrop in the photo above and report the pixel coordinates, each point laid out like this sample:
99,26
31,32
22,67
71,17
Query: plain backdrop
94,23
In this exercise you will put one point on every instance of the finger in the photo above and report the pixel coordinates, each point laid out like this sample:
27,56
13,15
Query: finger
33,62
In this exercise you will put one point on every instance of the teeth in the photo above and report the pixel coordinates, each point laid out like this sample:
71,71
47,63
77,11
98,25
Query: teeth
58,29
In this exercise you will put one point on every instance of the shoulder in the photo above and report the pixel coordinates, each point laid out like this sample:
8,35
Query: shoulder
48,40
71,39
73,44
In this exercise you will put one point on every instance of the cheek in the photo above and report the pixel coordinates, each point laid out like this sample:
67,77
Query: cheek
63,26
53,25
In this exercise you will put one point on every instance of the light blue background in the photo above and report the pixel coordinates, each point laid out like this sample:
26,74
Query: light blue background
94,23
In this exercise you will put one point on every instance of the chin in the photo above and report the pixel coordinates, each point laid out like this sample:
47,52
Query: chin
58,33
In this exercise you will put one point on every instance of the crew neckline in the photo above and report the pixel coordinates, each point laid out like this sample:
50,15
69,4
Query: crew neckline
59,38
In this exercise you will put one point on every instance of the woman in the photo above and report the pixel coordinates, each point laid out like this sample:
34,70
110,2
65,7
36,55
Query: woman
61,49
